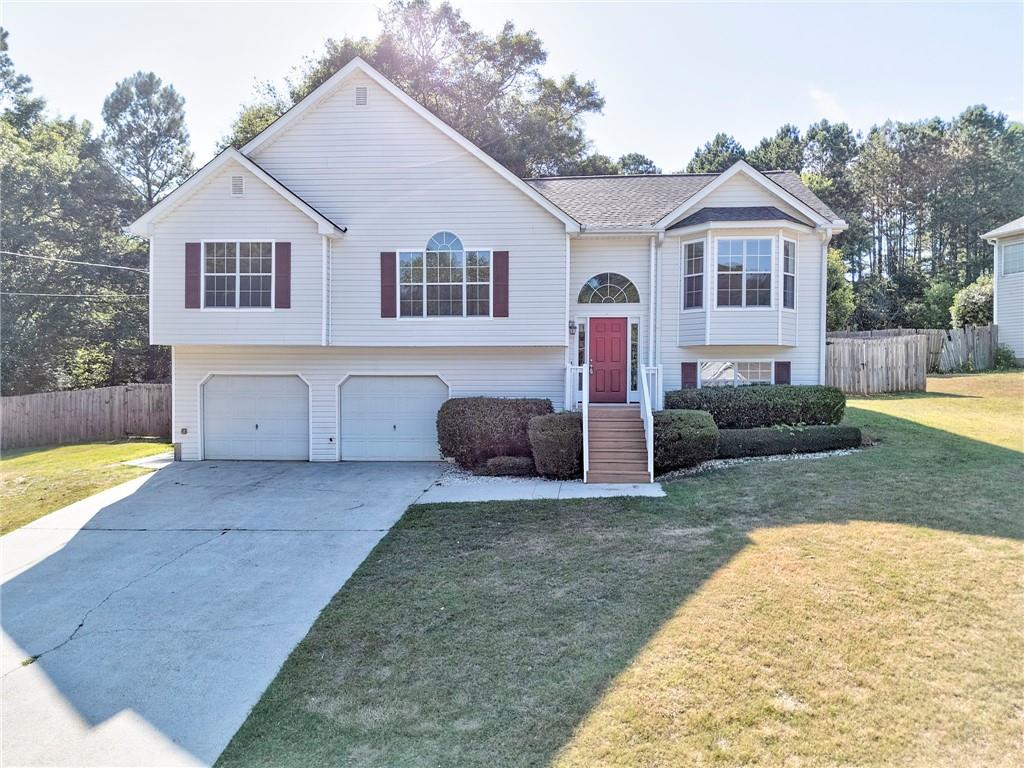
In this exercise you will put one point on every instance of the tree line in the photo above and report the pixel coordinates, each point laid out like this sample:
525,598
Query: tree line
73,305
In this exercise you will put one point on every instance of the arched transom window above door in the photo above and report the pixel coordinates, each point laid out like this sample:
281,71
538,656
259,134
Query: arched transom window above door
609,288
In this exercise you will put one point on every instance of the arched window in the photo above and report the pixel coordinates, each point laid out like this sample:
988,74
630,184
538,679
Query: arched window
609,288
444,241
444,280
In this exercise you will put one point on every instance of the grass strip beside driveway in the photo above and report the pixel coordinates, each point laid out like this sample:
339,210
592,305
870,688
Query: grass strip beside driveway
37,481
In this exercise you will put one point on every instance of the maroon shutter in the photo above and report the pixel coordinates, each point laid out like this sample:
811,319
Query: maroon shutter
193,274
387,284
501,284
689,375
781,372
282,275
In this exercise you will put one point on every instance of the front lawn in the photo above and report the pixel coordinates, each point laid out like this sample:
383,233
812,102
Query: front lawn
854,610
37,481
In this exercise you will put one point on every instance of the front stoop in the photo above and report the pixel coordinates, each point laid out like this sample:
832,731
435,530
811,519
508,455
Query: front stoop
618,449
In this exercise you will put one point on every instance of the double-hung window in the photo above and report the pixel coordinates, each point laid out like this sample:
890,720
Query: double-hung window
1013,258
789,274
744,272
693,275
238,274
444,280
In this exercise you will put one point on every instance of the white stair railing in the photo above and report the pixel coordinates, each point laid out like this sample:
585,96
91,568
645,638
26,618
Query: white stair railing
647,414
585,405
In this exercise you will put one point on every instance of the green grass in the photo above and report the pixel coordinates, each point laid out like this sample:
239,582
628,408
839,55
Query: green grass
856,610
37,481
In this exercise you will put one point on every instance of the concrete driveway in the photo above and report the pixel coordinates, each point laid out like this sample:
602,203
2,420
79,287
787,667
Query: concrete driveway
159,611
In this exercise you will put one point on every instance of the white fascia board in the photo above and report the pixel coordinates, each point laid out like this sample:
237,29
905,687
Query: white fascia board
742,167
720,225
358,64
143,225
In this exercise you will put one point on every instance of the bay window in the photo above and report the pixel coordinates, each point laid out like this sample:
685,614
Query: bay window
744,272
693,275
789,274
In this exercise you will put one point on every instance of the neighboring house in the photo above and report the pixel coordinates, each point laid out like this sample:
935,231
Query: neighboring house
327,287
1008,284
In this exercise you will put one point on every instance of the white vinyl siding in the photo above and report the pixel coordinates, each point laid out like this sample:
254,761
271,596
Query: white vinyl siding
212,213
1009,298
394,181
507,372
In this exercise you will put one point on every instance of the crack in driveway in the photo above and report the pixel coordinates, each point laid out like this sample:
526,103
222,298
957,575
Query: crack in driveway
34,658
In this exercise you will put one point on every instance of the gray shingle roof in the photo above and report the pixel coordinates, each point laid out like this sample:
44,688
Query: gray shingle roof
753,213
632,202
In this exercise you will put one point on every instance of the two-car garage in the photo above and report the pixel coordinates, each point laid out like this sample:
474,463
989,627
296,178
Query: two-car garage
267,417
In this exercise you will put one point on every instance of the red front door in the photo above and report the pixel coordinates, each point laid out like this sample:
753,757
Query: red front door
609,350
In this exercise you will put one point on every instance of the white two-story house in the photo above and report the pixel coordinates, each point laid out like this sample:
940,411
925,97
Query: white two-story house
327,287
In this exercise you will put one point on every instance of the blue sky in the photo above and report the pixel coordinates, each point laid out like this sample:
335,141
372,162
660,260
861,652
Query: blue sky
673,74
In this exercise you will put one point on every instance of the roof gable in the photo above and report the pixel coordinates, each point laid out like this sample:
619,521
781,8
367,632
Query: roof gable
142,226
329,86
773,186
656,201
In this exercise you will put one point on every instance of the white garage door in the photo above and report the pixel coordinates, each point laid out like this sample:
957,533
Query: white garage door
390,418
256,417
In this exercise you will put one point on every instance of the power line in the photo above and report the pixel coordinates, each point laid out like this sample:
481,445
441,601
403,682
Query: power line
104,296
72,261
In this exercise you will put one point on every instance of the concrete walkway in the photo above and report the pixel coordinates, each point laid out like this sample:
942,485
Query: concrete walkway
448,489
158,611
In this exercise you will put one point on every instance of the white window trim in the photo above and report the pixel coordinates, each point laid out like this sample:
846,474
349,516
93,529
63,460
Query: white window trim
783,272
733,360
1002,258
704,277
423,252
238,282
771,271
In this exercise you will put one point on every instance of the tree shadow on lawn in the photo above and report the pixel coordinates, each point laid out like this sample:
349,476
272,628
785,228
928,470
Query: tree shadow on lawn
484,634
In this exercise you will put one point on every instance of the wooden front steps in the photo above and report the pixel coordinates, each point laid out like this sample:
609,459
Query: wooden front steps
618,448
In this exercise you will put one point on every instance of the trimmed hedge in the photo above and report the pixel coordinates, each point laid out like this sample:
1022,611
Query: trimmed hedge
557,442
683,439
472,430
507,466
762,405
771,441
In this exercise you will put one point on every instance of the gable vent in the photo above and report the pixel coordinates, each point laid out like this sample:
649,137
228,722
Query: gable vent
360,95
237,185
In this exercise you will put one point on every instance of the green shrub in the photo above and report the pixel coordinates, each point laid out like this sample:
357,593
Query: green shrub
770,441
762,406
507,466
1005,359
972,304
683,439
474,429
557,443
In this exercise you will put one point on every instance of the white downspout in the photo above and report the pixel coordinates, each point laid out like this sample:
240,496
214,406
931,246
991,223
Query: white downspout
324,289
651,294
826,237
659,268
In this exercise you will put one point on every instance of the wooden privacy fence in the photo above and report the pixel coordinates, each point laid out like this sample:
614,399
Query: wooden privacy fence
82,415
972,347
866,366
